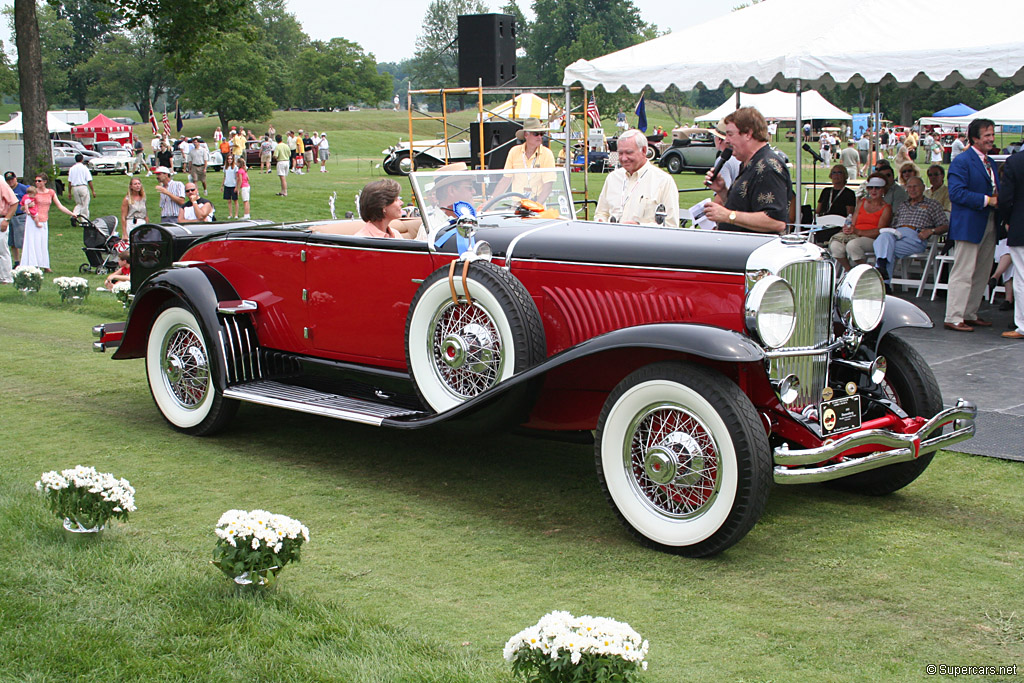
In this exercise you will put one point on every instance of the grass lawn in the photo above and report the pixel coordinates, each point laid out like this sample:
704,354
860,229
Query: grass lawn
428,551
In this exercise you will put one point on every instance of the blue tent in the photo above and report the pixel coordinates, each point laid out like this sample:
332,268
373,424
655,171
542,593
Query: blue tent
960,109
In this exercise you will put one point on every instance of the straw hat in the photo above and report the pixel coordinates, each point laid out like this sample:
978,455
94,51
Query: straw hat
719,130
448,180
531,125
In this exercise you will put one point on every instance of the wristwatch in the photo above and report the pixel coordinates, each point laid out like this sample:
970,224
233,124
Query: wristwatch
732,216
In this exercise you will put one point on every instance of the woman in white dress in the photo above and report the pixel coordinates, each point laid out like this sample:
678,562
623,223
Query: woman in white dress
36,249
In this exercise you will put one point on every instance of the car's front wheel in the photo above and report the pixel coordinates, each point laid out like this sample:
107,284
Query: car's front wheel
683,458
179,368
674,164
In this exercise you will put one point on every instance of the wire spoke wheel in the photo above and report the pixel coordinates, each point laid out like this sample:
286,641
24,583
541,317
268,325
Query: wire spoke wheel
186,367
466,348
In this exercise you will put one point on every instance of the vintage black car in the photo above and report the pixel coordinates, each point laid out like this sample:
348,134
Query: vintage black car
704,365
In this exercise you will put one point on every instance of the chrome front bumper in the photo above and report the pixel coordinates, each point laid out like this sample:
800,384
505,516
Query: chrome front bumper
902,448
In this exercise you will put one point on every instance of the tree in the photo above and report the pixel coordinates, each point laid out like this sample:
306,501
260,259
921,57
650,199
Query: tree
230,77
567,30
281,40
38,156
130,68
90,22
434,64
8,74
336,74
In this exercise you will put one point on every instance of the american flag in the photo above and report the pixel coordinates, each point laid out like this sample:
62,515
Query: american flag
592,112
152,120
167,124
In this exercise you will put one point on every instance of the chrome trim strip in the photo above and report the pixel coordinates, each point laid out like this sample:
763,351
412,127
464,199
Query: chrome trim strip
515,240
224,357
327,245
905,447
804,351
618,265
246,306
187,264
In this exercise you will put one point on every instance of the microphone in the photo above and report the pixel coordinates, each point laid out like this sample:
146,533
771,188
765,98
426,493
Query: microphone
817,157
719,163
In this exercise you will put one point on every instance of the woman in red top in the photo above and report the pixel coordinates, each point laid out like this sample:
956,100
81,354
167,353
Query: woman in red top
36,249
851,246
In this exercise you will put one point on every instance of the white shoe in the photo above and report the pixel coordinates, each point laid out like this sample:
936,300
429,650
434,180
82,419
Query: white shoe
246,216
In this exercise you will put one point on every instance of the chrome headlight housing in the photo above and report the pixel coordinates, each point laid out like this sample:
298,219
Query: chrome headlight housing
860,298
770,311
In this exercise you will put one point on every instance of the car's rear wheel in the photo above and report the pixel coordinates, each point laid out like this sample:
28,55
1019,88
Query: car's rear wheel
683,458
674,164
179,367
910,383
457,350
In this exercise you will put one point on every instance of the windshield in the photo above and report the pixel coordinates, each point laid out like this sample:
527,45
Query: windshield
491,193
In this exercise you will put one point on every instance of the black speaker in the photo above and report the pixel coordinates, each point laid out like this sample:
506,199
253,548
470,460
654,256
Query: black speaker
487,50
496,134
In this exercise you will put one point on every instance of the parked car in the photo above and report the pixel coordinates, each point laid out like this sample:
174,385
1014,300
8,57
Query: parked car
216,160
429,154
63,159
704,364
692,149
126,120
75,147
114,158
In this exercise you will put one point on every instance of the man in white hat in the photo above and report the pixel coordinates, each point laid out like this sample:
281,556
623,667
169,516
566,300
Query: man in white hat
638,192
172,195
731,168
532,154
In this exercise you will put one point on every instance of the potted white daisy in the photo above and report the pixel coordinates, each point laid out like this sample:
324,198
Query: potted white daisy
253,547
86,499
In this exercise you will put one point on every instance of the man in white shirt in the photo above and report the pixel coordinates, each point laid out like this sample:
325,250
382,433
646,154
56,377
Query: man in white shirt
82,190
199,157
637,192
731,168
958,146
185,147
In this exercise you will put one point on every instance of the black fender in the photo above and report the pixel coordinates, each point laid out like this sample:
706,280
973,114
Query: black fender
898,313
703,341
200,286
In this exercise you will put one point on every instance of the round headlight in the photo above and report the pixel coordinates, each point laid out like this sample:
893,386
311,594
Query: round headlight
861,298
771,311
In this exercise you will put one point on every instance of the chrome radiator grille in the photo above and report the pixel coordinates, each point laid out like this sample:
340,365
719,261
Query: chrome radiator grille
813,284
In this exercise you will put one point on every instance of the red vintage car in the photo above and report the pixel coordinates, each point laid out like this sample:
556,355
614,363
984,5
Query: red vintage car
705,365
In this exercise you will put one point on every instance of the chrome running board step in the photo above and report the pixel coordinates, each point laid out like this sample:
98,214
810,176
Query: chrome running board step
303,400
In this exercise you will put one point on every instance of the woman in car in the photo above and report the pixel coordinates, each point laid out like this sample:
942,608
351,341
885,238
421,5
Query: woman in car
379,204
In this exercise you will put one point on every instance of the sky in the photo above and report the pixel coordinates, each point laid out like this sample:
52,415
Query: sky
391,37
388,28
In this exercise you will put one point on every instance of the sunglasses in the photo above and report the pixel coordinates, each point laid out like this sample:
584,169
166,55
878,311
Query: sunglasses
192,189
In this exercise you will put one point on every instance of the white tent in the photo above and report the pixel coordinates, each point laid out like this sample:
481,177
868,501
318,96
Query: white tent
778,42
54,125
1009,112
781,106
524,106
785,42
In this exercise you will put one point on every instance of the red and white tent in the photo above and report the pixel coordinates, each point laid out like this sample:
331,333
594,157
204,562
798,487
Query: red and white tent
102,128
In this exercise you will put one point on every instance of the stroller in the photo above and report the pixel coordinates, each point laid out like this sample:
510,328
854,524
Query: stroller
100,241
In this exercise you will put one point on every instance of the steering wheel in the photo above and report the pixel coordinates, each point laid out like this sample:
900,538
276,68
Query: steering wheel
505,195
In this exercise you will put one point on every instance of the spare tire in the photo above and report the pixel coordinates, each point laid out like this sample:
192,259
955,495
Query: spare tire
459,350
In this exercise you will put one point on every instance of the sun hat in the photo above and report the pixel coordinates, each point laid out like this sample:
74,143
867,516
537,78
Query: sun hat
531,125
163,169
719,130
444,181
876,182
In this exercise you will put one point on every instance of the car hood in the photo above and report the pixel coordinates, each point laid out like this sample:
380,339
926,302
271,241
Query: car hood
608,243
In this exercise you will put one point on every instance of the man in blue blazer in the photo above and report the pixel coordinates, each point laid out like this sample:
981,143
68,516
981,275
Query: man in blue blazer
974,193
1011,209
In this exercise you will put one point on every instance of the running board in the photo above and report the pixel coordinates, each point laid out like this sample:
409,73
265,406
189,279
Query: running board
303,400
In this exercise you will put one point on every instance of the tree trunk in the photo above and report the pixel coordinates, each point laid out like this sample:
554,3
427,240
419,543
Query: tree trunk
38,156
224,121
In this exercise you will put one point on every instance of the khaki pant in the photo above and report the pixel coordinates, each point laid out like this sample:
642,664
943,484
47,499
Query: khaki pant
80,193
972,264
852,246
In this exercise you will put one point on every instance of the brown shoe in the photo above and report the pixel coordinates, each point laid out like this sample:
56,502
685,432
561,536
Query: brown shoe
1013,334
959,327
978,322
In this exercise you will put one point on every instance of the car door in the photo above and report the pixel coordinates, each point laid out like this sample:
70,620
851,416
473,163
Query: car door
358,291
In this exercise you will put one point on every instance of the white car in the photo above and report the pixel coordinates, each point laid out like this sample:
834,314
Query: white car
429,154
114,158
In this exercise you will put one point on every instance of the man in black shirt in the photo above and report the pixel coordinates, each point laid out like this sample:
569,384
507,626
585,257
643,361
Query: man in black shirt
758,200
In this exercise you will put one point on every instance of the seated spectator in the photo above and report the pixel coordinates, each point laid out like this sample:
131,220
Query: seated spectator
379,204
894,194
938,190
837,200
123,272
851,246
908,171
915,221
196,209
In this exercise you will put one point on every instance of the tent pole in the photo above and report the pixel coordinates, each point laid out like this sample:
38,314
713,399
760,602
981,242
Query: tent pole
799,161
